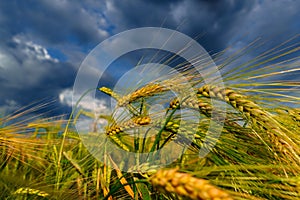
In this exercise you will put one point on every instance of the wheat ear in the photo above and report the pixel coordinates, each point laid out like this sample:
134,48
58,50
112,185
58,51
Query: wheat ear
254,113
247,107
146,91
203,107
185,185
109,92
132,123
31,191
176,84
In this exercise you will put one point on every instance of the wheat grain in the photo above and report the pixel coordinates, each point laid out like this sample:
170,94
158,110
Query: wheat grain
185,185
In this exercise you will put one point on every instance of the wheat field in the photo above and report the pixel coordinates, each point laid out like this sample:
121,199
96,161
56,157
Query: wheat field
255,156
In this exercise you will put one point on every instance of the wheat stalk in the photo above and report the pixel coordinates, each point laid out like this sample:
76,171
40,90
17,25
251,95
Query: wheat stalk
185,185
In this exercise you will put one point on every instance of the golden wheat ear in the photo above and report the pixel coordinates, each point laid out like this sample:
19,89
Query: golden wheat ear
146,91
127,125
185,185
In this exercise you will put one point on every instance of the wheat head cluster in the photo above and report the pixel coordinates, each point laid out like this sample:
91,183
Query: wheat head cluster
255,154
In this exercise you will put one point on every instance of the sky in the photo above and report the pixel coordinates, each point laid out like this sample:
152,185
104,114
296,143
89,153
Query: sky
43,42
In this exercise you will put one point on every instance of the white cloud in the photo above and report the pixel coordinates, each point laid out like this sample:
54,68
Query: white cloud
179,12
103,33
6,60
32,50
87,103
110,7
25,64
95,106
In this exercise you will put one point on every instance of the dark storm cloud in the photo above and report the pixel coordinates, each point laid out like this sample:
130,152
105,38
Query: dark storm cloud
28,29
28,73
214,18
222,21
50,21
